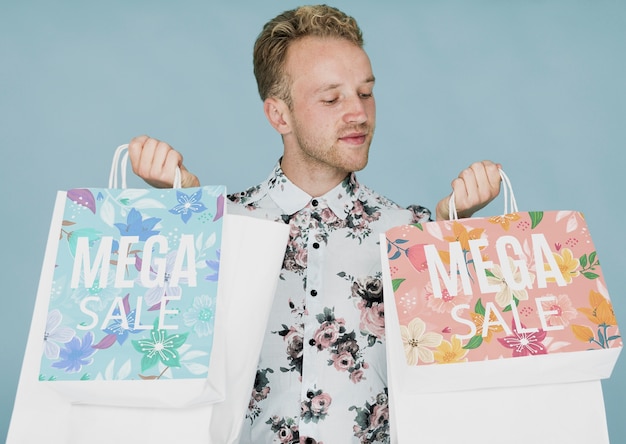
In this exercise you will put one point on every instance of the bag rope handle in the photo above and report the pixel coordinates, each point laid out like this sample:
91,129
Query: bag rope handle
115,169
510,205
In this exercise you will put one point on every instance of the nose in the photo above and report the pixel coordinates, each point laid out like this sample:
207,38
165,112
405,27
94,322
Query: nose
356,111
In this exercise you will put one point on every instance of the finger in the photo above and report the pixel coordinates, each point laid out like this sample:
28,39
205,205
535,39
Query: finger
135,147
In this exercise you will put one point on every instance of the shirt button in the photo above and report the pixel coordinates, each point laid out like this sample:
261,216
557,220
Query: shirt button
311,341
314,202
316,245
310,394
313,293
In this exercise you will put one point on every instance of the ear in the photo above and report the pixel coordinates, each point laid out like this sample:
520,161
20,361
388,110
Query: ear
278,114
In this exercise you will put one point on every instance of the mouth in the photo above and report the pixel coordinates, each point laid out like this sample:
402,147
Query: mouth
354,138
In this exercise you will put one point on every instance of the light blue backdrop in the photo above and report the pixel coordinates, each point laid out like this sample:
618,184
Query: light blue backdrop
539,86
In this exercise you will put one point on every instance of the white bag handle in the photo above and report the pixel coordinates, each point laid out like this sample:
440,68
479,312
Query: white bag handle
115,169
509,207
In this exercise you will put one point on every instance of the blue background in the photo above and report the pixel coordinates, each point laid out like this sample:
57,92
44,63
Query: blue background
539,86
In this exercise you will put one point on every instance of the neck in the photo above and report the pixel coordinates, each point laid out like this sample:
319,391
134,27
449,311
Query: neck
315,180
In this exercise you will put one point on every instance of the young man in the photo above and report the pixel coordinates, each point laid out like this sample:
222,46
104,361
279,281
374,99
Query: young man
322,375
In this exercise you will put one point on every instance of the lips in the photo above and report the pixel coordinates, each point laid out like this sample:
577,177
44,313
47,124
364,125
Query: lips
354,138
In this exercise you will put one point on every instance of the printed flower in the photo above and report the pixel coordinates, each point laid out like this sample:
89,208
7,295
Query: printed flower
188,204
76,354
567,263
286,430
417,257
372,420
450,352
463,236
55,333
601,311
562,310
583,333
373,319
479,321
215,266
504,296
504,220
316,406
160,347
525,343
137,226
105,294
154,295
445,303
369,289
343,361
119,329
294,337
417,342
328,333
201,315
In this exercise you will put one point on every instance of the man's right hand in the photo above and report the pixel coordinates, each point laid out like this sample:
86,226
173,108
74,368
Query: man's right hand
155,162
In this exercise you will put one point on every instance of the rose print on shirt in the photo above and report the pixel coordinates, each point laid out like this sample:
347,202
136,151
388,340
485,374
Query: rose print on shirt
367,293
260,390
315,406
293,336
345,352
372,420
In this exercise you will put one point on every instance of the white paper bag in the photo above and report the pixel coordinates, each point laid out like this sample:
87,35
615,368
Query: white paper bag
253,250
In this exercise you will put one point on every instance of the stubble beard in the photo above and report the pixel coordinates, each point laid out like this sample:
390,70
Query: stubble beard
344,158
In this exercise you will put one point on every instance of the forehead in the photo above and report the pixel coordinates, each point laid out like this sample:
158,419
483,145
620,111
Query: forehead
315,62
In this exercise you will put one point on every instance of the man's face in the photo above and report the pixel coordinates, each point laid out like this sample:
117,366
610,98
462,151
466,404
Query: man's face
333,113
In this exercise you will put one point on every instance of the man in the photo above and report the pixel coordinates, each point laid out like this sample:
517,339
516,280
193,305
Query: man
321,376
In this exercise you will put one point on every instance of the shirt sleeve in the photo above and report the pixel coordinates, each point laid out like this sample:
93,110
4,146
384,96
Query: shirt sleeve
420,214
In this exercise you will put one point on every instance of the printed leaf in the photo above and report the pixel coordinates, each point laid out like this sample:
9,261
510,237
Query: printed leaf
90,233
434,230
592,258
210,241
479,308
107,213
192,355
132,193
572,223
418,225
148,203
106,342
473,343
582,333
124,370
196,369
535,218
400,241
600,336
395,256
562,215
83,197
583,260
220,207
590,275
396,283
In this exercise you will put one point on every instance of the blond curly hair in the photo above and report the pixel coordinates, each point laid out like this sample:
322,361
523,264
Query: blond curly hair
270,48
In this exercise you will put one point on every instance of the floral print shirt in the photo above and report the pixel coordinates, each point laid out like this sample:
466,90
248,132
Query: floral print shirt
322,376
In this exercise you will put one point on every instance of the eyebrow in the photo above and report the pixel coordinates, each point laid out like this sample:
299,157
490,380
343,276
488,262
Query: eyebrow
332,86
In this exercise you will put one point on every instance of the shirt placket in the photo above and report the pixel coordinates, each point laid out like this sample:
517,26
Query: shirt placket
312,369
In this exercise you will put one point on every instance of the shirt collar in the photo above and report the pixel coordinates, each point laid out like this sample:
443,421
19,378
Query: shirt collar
292,199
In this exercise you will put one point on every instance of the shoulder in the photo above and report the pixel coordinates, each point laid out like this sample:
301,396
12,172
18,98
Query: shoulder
416,213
